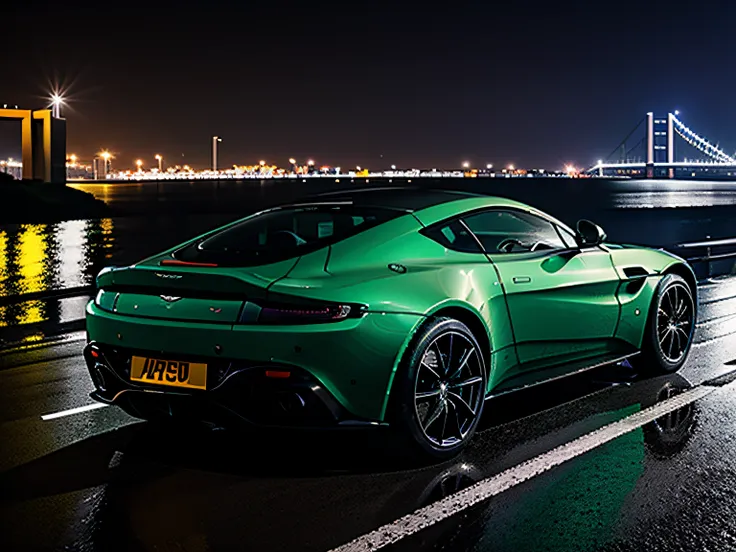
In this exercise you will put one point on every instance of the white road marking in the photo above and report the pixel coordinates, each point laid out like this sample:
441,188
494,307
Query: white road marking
71,411
487,488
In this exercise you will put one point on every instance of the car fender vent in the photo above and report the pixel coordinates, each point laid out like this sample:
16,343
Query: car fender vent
636,272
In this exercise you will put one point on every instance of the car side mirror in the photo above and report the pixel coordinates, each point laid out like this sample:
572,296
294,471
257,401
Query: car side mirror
589,234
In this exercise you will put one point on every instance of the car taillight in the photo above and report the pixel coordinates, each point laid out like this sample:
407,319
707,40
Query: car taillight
295,314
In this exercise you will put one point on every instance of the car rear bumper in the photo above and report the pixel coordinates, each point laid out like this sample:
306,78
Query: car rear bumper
341,373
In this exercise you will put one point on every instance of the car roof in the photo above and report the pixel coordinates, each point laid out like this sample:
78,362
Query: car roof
429,205
404,198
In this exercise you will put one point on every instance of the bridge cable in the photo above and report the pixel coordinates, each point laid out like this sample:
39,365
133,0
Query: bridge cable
623,142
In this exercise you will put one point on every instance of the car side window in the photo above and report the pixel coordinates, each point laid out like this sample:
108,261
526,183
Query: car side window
510,231
567,237
453,235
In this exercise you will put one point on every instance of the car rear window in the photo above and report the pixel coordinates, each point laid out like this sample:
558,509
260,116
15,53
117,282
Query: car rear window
284,233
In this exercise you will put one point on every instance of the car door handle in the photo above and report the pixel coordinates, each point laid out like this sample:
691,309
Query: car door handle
521,279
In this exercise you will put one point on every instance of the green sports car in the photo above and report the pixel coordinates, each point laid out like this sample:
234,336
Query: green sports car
404,307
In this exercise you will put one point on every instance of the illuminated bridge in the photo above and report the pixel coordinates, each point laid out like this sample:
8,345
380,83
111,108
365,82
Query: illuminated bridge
651,153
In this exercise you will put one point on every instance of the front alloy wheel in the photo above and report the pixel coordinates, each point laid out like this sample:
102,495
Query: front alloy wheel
442,389
670,327
675,321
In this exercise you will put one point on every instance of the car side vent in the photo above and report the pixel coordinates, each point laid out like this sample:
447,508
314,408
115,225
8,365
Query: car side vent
635,271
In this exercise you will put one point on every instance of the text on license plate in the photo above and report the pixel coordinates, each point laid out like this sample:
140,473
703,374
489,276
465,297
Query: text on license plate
175,373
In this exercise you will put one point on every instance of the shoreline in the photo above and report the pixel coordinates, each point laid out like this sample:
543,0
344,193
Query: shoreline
28,202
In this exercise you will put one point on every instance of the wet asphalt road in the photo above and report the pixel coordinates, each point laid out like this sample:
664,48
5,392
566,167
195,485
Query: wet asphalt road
101,480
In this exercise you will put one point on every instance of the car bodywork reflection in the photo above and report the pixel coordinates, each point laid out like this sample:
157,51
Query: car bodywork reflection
577,505
221,488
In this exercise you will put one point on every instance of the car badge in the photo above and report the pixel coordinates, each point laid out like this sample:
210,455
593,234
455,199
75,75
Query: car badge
215,310
169,276
401,269
169,298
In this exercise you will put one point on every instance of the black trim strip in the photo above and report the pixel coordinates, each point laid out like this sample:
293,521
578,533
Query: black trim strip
184,293
600,364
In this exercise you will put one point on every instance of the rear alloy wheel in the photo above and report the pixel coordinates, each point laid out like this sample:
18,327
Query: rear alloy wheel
670,328
442,389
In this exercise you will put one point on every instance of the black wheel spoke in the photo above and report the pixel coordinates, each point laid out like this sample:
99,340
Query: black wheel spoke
676,305
464,383
430,368
432,418
424,395
684,334
449,353
440,361
463,362
458,426
672,343
459,402
682,309
446,412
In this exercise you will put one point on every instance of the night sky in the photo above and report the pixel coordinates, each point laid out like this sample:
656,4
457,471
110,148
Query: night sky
370,83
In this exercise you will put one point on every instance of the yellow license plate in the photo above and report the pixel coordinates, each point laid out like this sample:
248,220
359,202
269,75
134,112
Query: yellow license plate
175,373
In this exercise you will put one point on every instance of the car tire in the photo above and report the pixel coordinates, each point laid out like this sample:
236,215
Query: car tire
669,330
440,390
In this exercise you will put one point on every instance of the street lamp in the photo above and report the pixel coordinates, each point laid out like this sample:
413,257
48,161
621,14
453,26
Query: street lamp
107,165
56,103
489,166
215,140
310,163
393,167
511,167
160,160
466,165
73,159
139,163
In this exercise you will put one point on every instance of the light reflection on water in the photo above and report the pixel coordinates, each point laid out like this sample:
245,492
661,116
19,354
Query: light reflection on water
42,257
670,199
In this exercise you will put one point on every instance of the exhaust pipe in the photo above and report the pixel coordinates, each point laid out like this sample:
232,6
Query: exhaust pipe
291,402
98,377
